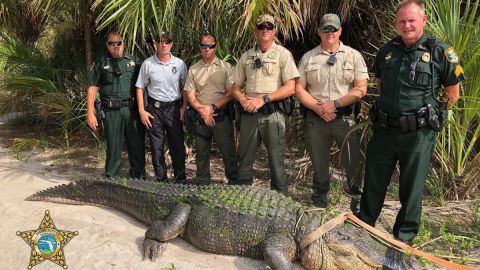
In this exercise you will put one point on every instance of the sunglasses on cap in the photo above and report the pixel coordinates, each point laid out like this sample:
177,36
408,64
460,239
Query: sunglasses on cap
265,26
208,46
329,30
114,43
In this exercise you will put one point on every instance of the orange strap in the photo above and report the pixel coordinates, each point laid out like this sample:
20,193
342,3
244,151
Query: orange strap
387,237
326,227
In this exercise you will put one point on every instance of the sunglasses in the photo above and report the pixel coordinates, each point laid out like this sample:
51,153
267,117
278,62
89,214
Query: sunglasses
208,46
114,43
329,30
165,41
265,26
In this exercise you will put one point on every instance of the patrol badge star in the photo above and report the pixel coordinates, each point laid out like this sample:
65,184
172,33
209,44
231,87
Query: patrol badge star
47,242
131,63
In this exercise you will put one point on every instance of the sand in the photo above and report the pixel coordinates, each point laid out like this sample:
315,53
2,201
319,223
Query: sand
108,238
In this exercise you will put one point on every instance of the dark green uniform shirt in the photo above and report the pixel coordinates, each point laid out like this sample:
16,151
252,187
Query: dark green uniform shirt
115,77
406,75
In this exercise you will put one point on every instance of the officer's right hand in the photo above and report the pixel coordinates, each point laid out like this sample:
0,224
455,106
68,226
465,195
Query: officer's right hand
145,118
92,121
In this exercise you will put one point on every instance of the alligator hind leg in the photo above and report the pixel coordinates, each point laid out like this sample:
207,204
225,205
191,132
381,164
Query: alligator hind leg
163,230
279,251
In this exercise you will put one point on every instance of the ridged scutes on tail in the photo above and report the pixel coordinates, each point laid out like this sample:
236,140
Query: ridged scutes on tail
71,193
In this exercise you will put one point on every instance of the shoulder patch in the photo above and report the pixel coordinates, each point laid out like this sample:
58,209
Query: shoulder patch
451,55
458,71
273,55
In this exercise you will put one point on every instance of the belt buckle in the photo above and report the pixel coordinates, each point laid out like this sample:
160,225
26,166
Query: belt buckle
157,104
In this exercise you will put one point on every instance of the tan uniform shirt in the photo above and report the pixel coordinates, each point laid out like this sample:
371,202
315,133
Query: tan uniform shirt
329,82
278,67
210,82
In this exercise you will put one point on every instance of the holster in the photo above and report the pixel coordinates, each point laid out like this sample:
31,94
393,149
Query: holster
99,112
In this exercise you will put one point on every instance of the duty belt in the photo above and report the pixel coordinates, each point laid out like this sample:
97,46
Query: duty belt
161,104
406,123
117,103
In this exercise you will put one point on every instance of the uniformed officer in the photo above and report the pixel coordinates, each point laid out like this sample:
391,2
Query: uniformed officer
267,74
406,70
333,77
162,76
207,92
115,74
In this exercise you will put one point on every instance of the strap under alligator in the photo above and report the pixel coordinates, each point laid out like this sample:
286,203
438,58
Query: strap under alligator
326,227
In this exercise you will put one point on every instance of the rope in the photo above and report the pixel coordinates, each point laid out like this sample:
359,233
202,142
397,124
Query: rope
326,227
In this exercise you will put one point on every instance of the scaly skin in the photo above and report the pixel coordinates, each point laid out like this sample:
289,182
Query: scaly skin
235,220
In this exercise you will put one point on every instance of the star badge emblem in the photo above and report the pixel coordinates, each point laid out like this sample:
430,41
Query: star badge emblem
47,242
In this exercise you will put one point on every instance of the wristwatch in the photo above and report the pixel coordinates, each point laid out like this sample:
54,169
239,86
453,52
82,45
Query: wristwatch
336,104
266,99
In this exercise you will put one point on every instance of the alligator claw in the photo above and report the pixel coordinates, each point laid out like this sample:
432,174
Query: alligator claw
152,249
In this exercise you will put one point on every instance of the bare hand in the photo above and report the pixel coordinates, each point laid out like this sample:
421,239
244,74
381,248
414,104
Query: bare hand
205,110
328,117
145,118
209,120
92,121
327,106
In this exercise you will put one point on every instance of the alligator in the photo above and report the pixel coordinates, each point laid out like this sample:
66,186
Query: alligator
234,220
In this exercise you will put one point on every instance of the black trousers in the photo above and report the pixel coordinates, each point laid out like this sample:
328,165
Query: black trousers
167,122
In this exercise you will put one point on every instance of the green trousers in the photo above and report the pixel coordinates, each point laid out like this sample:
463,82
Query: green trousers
222,133
318,140
125,124
269,128
413,152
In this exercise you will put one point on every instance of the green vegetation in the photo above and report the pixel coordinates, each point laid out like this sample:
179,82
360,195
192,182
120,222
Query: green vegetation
47,46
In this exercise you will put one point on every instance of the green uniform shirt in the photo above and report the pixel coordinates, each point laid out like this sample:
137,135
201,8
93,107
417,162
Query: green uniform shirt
406,76
115,77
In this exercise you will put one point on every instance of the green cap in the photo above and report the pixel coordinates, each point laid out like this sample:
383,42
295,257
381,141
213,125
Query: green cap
330,19
265,18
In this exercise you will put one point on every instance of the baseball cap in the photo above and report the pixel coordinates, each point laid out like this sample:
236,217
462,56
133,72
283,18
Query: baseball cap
164,34
330,19
265,18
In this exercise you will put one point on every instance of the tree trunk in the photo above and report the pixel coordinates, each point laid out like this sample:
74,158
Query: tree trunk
86,14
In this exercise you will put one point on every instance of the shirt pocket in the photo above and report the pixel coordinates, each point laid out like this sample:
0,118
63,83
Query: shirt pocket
423,75
107,75
347,72
314,73
271,67
250,70
388,71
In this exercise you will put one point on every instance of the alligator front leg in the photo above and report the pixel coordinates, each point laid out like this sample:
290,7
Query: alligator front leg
279,251
163,230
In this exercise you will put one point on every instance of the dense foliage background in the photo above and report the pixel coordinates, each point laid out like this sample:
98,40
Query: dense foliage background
47,47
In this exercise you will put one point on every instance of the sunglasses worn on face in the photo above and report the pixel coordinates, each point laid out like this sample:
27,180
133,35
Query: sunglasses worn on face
265,26
165,41
329,30
114,43
207,46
